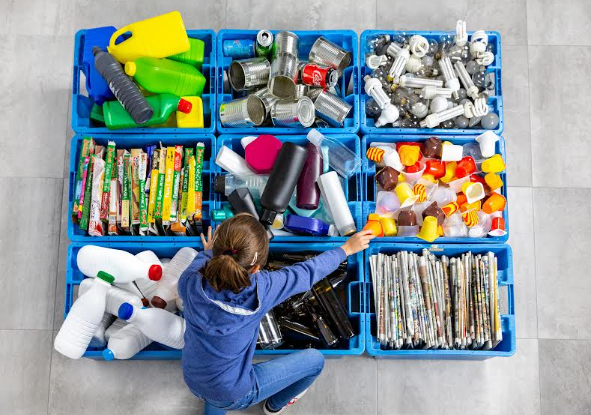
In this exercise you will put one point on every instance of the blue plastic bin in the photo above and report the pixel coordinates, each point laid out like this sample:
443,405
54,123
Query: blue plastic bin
495,102
129,141
353,187
347,39
82,104
369,168
354,293
504,256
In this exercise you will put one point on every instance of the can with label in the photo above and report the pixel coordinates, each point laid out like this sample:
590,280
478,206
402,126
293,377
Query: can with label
319,76
239,48
264,43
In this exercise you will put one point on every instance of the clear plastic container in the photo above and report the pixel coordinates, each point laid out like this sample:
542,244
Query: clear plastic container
340,158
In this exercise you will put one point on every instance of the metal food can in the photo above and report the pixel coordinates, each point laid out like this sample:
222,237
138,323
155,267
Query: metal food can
288,113
284,75
239,48
243,112
249,73
264,43
331,108
319,76
313,93
269,100
301,91
327,53
286,43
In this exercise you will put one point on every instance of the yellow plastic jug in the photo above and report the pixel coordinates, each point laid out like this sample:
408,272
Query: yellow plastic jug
157,37
194,119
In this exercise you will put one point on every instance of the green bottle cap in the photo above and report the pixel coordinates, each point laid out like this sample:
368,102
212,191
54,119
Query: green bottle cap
105,276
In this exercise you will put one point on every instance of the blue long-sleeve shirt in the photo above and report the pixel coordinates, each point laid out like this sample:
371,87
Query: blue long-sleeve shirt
222,327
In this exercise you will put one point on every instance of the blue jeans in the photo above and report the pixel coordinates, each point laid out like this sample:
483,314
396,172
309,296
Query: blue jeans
279,379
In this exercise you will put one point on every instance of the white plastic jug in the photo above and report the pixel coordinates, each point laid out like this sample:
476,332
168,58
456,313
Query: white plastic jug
114,328
126,343
166,288
99,340
122,265
115,297
148,287
83,319
159,325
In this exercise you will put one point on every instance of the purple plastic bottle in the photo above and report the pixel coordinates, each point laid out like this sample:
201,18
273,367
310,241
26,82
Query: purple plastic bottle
308,193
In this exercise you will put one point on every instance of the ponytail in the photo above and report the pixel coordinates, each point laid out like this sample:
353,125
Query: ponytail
224,273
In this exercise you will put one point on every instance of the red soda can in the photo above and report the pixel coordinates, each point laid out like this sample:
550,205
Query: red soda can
320,76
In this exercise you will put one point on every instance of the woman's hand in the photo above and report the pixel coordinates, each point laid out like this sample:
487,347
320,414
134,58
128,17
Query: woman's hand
208,244
358,242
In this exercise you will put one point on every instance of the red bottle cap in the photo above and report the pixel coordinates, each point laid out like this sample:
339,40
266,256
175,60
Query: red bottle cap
155,272
185,106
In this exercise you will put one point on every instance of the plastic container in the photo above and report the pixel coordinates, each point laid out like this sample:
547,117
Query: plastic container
353,187
504,256
82,104
495,102
347,39
129,141
371,190
354,296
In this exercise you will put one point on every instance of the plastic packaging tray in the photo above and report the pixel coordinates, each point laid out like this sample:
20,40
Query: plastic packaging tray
129,141
505,348
369,167
495,102
347,39
354,295
353,187
82,104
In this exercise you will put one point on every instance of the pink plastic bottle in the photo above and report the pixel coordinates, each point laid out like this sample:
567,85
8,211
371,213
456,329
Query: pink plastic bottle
261,153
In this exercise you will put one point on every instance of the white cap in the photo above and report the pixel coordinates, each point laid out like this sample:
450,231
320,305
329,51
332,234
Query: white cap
315,137
247,140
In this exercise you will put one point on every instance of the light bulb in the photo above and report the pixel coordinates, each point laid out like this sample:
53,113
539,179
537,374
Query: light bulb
461,34
372,108
478,43
433,47
461,121
393,49
430,92
412,82
433,120
451,80
420,110
414,64
438,104
399,64
388,116
490,121
464,76
485,58
375,61
419,46
472,67
479,79
373,87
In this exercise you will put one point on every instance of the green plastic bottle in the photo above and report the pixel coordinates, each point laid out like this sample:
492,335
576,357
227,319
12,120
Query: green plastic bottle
164,76
194,56
116,117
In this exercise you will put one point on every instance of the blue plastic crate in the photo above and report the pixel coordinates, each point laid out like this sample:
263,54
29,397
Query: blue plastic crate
504,256
369,169
354,293
82,104
347,39
129,141
495,102
353,187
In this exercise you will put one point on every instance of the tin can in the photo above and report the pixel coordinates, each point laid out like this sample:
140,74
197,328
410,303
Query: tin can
284,75
269,100
286,43
313,93
301,91
243,112
249,73
319,76
239,48
264,43
331,108
327,53
288,113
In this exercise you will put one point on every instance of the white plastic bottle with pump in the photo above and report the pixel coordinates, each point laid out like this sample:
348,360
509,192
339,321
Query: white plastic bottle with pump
166,290
83,319
122,265
159,325
126,343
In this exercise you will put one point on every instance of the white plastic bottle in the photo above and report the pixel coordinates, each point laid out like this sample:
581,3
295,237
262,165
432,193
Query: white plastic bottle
98,339
114,328
340,157
159,325
115,296
334,199
122,265
148,287
83,319
126,343
166,288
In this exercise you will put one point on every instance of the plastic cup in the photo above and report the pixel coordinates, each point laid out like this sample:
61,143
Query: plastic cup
497,227
495,164
493,181
429,229
403,191
457,184
451,152
387,203
418,208
482,228
487,143
495,202
388,226
443,195
412,178
454,226
474,192
408,230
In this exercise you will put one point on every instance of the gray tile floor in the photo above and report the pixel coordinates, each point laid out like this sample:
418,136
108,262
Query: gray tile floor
546,55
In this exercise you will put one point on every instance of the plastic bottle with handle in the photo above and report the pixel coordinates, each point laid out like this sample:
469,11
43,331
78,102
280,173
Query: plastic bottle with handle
159,325
126,343
122,265
117,325
115,296
83,319
98,339
166,288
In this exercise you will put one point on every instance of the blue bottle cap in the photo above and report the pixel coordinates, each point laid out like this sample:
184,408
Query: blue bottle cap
125,311
108,355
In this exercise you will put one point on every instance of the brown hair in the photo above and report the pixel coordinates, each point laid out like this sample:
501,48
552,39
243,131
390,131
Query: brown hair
237,242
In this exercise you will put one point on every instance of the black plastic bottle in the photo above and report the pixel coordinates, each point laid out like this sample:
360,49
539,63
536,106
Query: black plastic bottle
282,181
242,202
124,89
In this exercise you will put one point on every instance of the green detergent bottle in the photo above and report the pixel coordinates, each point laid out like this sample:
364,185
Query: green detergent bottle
163,76
194,56
116,117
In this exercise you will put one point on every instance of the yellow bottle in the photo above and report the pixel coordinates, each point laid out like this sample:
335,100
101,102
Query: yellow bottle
157,37
194,119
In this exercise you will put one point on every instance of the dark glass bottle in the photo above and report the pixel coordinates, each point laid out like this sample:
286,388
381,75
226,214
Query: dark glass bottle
308,193
329,301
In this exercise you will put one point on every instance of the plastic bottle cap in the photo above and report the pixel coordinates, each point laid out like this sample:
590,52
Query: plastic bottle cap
125,311
315,137
145,302
108,355
105,276
185,106
130,68
155,272
158,302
